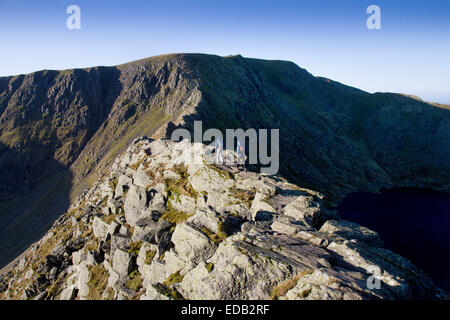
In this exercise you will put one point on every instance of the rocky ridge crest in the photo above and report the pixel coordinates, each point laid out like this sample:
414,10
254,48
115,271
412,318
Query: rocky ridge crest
161,227
61,130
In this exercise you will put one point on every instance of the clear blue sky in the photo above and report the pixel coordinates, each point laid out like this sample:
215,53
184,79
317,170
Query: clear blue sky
410,54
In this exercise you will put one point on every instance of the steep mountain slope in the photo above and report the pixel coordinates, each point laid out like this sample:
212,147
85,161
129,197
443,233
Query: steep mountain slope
59,130
161,226
56,127
334,138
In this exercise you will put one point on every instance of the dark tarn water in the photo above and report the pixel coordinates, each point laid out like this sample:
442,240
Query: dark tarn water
414,223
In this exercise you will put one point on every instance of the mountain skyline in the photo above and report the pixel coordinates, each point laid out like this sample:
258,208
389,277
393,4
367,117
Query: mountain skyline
329,39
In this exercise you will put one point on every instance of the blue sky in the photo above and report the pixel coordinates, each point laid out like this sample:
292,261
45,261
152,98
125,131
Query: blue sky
410,54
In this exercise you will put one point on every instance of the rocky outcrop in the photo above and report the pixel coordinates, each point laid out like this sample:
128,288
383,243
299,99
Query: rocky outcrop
60,129
174,229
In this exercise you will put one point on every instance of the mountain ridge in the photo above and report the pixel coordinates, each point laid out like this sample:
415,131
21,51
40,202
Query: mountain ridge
334,138
160,226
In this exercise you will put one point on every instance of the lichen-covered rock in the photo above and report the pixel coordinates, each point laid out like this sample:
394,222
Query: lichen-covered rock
158,198
325,284
69,293
349,230
101,229
120,241
261,209
191,243
205,218
207,179
290,227
183,203
122,262
152,294
141,179
123,184
248,268
82,256
83,279
304,208
135,204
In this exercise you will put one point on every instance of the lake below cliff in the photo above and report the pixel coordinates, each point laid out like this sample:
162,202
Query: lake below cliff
414,223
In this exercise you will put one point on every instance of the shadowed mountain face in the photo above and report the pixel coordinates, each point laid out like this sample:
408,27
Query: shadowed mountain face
27,214
333,138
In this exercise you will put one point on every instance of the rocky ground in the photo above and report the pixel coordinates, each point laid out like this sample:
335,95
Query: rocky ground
162,227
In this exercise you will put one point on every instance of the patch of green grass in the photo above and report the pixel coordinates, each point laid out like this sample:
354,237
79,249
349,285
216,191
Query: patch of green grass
216,237
109,219
136,165
168,292
86,231
61,234
51,291
103,202
135,247
113,183
97,282
110,293
150,254
181,185
173,278
88,163
222,173
135,282
175,216
210,267
91,245
282,288
246,196
173,192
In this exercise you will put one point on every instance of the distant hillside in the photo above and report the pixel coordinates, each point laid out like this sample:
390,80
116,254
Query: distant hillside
59,130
